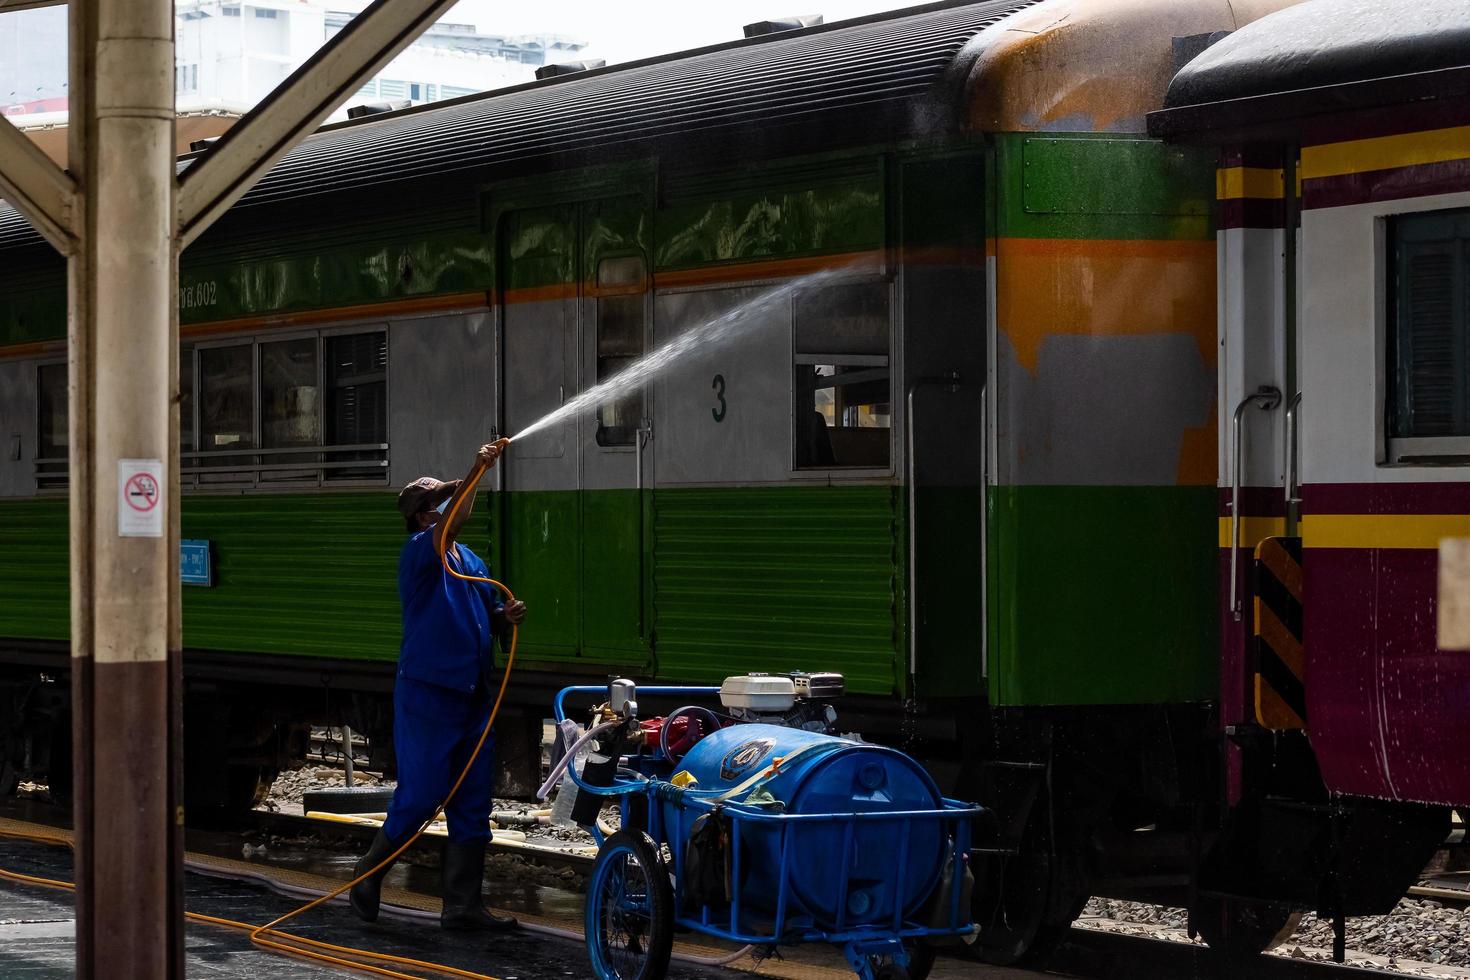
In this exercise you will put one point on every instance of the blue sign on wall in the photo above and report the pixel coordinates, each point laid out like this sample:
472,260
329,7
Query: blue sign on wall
195,568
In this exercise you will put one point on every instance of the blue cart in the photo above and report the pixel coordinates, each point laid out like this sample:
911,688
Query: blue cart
768,835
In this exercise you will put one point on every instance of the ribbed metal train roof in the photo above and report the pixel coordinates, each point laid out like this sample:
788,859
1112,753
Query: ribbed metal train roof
1327,42
886,71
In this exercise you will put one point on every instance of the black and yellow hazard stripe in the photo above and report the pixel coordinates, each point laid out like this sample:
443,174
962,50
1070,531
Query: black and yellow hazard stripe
1280,669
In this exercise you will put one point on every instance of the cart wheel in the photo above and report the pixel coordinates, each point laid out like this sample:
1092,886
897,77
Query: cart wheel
921,959
630,910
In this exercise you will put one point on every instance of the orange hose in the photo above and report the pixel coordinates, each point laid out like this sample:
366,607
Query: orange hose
267,936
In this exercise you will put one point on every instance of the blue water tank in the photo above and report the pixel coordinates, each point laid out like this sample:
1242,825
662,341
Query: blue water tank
824,774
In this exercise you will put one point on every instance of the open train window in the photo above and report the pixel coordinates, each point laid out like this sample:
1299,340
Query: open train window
620,332
842,385
1428,351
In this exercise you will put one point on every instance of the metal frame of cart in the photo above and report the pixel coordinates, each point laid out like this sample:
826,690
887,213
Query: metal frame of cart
875,951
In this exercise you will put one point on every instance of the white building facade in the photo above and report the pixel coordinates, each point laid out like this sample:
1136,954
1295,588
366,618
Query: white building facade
231,53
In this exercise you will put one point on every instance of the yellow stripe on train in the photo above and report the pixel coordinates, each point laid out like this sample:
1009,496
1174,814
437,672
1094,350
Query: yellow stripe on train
1363,531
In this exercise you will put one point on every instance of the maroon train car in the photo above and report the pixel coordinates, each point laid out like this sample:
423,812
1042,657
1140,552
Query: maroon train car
1343,130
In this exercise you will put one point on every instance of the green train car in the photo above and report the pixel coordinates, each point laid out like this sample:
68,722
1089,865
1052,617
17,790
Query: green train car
961,449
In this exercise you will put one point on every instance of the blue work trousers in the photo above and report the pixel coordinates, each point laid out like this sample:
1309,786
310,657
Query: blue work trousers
434,731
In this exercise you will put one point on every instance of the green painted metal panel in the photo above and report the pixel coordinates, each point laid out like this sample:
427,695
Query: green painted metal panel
613,577
311,574
746,223
779,578
1100,186
542,565
368,271
1145,177
1098,595
33,313
297,574
34,569
540,247
950,592
1102,595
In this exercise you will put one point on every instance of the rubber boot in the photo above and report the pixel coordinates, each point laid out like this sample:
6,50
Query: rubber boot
462,873
366,894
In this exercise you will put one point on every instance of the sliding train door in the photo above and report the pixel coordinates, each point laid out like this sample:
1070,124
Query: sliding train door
613,433
575,312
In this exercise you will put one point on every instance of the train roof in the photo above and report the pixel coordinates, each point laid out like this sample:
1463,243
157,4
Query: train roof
1320,57
886,76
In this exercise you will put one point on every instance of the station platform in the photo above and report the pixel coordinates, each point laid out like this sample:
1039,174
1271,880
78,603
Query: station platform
37,925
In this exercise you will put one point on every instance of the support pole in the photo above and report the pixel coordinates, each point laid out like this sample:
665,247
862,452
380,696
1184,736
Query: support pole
115,216
124,446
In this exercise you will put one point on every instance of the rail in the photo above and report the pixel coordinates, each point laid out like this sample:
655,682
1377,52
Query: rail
1293,468
249,467
1267,397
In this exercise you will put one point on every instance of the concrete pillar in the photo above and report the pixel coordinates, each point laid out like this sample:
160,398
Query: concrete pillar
124,464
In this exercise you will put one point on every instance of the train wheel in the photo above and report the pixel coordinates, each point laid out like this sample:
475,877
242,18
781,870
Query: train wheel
629,917
1242,929
1024,903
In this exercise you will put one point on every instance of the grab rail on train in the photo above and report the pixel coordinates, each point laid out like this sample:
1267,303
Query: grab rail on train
1293,471
950,380
641,436
1266,397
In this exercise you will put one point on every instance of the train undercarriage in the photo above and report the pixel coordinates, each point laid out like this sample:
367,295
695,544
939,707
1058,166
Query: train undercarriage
1121,802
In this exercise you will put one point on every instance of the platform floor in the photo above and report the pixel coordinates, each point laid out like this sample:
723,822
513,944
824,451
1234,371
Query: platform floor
37,934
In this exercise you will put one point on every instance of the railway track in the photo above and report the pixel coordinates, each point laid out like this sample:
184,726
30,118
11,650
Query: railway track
1102,955
1090,953
1087,953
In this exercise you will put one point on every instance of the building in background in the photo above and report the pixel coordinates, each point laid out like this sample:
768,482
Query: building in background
33,61
231,53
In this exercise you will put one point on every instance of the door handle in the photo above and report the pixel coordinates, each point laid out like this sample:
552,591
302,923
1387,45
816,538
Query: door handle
1292,469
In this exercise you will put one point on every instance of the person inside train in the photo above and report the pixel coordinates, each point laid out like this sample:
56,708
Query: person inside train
442,700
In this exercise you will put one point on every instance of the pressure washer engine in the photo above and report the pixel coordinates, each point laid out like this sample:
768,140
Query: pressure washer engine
754,823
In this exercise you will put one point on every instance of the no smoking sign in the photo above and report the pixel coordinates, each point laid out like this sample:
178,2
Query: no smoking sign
140,498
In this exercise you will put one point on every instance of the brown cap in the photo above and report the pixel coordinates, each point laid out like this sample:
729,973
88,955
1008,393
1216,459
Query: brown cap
423,494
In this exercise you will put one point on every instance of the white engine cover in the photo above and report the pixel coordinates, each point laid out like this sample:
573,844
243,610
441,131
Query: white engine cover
758,692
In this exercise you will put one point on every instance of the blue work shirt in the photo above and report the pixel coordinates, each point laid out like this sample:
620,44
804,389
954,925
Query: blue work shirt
447,635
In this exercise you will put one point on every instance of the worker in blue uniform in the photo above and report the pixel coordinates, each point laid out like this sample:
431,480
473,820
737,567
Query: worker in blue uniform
442,699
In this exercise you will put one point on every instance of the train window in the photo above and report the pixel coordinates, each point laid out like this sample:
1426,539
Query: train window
622,270
357,400
1428,346
53,441
226,411
841,384
290,413
290,408
227,404
620,329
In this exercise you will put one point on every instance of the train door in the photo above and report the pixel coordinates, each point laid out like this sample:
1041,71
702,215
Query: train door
541,521
613,433
575,301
